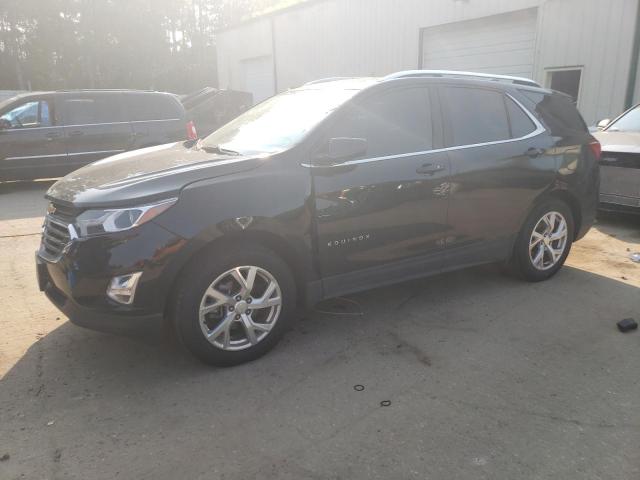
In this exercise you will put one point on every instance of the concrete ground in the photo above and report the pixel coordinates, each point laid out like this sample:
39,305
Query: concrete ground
487,378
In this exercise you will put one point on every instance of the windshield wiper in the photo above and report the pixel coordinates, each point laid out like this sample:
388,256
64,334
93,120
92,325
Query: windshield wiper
218,149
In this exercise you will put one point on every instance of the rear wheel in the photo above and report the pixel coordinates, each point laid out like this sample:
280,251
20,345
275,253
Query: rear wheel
544,242
235,308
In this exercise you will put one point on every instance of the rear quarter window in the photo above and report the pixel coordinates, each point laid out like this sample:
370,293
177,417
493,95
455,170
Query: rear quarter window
150,106
557,112
521,124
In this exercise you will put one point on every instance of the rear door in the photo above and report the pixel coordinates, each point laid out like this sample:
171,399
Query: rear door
383,216
499,164
94,126
156,118
31,142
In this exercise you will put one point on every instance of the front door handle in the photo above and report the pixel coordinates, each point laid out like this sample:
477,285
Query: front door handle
76,133
535,152
429,169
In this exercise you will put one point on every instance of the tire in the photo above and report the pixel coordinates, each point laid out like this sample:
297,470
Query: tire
527,248
226,323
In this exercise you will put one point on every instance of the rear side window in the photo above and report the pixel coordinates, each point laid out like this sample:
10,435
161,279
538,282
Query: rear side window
87,110
521,124
150,106
476,116
393,123
557,112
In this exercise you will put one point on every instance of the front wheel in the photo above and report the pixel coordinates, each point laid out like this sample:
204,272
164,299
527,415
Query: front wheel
544,242
234,308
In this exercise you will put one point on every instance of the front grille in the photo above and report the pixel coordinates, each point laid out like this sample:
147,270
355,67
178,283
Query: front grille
55,236
55,231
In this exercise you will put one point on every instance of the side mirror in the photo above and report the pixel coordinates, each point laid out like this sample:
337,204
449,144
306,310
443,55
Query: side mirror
4,124
342,149
602,124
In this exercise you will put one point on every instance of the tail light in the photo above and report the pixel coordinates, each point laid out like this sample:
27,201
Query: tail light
596,148
192,134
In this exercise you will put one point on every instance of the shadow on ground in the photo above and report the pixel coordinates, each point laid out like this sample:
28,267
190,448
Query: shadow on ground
488,377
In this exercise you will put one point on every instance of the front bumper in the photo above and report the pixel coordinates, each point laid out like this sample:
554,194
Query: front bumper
76,283
100,320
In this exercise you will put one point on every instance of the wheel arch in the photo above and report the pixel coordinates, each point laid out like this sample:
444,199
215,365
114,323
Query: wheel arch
265,239
572,202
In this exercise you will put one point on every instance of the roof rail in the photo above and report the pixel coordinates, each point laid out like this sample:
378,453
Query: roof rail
456,74
324,80
93,90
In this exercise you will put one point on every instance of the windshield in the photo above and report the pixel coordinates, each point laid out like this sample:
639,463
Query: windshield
278,123
630,122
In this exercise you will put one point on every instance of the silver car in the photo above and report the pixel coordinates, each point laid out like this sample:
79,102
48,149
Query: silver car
620,161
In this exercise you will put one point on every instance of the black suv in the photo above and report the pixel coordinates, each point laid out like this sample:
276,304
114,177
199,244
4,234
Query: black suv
49,134
327,189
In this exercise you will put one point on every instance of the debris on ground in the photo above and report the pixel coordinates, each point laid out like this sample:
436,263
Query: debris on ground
635,257
627,325
5,457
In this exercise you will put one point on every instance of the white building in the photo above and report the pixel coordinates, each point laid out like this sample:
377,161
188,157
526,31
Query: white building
585,47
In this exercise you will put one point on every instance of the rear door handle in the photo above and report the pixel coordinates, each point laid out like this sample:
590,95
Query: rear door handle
429,169
76,133
52,136
535,152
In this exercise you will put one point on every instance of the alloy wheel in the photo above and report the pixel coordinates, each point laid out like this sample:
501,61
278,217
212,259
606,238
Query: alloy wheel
548,241
240,308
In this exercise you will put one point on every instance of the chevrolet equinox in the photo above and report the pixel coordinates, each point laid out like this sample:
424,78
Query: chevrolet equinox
338,186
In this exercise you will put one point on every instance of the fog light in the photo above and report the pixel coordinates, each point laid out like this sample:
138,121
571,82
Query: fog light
123,288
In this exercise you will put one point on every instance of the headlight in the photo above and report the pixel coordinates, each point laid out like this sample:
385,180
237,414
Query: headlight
95,222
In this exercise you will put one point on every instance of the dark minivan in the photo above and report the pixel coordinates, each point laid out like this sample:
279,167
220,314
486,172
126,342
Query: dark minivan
331,188
49,134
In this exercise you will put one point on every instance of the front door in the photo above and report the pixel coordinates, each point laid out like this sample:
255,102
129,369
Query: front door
95,126
31,144
383,217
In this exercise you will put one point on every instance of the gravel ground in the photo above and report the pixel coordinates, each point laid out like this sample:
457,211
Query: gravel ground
487,378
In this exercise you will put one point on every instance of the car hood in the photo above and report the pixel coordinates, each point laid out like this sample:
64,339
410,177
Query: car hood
148,174
624,142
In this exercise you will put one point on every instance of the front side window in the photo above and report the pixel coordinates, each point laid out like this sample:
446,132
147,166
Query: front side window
92,110
629,122
28,115
476,116
280,122
392,123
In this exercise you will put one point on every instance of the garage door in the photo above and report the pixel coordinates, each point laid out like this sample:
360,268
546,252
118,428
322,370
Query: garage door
502,44
258,77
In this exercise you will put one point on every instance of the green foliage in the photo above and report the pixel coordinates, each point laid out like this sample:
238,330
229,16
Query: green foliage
157,44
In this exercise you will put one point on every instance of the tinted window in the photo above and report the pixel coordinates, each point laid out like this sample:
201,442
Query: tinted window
87,110
521,124
150,106
393,123
557,112
29,114
477,116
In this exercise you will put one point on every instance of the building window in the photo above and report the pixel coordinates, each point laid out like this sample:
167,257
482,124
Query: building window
565,80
